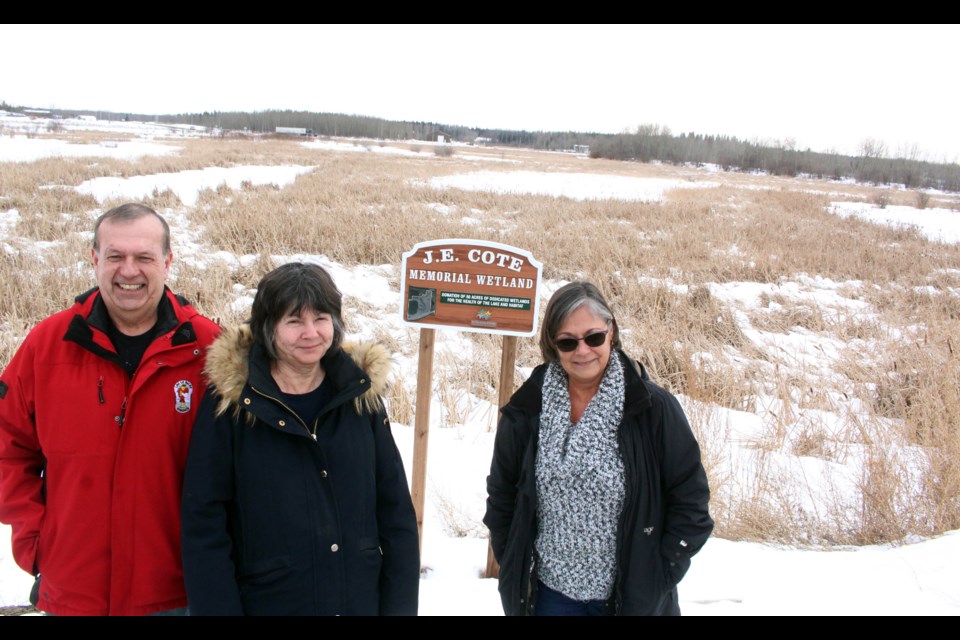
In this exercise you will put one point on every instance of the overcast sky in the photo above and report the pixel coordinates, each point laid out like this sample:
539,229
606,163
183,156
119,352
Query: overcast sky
826,87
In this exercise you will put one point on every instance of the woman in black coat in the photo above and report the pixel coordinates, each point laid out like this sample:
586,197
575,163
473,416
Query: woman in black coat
597,498
295,499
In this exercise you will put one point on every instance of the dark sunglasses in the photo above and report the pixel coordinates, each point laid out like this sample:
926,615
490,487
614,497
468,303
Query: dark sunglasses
592,340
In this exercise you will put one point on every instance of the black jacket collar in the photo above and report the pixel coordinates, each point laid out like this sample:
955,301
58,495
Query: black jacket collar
349,380
98,318
81,328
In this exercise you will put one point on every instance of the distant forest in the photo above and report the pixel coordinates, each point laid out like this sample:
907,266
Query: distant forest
871,165
351,126
648,143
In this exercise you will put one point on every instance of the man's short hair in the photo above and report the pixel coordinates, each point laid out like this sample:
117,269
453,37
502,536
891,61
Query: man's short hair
128,213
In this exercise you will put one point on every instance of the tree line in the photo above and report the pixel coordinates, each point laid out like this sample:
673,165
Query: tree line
647,144
340,124
870,165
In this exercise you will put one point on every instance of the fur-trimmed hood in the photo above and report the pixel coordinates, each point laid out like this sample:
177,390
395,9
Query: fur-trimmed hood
228,367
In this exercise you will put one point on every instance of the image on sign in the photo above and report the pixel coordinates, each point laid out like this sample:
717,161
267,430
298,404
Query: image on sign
421,302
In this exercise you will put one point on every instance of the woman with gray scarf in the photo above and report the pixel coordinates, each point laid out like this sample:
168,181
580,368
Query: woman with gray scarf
597,498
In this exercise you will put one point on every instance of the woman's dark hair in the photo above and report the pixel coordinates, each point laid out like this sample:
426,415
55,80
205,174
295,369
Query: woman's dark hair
289,290
565,301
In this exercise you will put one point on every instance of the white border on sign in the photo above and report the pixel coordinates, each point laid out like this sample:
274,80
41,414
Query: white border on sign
479,243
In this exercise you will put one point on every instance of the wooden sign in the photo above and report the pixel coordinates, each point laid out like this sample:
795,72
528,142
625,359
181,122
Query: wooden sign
471,285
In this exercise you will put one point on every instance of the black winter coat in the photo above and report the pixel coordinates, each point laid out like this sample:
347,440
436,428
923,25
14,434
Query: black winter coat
665,518
275,522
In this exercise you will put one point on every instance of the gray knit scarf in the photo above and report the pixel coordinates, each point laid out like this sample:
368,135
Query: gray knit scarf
580,486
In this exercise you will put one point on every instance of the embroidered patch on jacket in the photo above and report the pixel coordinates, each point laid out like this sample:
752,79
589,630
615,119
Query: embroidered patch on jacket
183,391
3,390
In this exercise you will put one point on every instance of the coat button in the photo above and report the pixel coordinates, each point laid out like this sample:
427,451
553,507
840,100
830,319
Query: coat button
282,423
323,473
363,381
334,548
196,352
246,401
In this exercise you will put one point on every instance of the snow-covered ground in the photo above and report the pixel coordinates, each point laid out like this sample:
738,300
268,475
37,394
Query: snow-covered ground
727,578
187,185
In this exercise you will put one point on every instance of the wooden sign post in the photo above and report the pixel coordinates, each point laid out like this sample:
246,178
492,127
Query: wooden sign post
422,425
470,285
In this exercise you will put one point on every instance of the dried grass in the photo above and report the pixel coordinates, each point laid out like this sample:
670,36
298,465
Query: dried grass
657,263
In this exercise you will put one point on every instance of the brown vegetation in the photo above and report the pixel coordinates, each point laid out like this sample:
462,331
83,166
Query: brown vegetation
658,262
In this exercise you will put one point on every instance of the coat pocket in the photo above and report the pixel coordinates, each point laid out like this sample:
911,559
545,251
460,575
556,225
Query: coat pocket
273,587
676,558
370,556
265,571
369,545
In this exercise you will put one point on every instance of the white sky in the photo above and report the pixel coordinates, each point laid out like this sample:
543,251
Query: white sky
828,87
727,578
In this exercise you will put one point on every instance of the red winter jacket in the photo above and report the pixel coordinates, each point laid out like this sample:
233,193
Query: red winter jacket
91,461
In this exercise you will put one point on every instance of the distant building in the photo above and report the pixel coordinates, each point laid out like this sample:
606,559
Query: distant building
581,148
481,141
295,131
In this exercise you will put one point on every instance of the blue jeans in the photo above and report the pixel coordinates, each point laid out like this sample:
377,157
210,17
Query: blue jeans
181,611
554,603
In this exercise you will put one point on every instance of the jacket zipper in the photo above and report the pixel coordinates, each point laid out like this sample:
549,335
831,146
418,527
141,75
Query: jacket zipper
627,498
123,413
123,407
532,585
335,402
289,410
533,575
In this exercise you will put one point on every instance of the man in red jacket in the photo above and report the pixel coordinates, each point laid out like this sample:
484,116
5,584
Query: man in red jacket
96,411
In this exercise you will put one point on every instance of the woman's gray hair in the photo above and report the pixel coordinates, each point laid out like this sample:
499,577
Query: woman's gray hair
289,290
565,301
